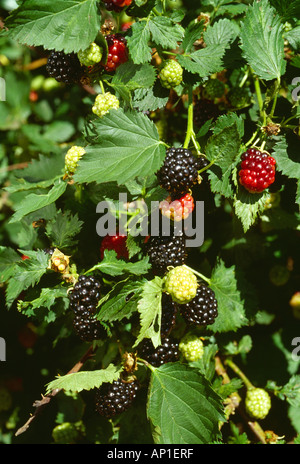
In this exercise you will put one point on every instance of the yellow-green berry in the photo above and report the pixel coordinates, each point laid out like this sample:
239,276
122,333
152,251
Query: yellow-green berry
105,102
171,74
73,155
191,347
181,283
65,433
91,55
257,403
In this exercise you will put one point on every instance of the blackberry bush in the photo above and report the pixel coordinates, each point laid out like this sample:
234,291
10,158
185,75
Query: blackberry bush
164,121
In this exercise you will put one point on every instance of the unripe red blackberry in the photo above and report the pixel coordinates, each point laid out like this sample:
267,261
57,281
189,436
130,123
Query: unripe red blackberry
164,353
257,170
114,398
177,210
179,172
64,67
165,251
116,5
83,302
202,309
115,242
117,51
257,403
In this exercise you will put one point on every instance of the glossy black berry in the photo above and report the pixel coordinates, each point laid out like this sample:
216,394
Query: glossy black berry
114,398
169,311
83,302
64,67
168,351
165,251
202,309
179,172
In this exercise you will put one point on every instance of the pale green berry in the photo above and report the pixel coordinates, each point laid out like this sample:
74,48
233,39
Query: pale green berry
171,74
91,55
73,155
105,102
257,403
181,283
65,433
191,347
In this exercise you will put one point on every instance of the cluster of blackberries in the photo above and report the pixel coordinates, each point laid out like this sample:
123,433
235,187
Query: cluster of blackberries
116,397
165,251
83,299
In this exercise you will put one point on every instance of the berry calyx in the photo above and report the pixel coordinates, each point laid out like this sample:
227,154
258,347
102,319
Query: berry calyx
191,347
117,51
257,403
202,310
171,74
179,172
73,155
181,284
83,299
91,55
214,89
64,67
117,243
105,102
164,353
177,210
115,398
165,251
257,170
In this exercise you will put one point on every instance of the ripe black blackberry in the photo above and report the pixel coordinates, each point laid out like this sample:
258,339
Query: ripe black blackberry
168,316
64,67
201,162
204,110
116,397
166,251
83,302
201,310
178,173
167,352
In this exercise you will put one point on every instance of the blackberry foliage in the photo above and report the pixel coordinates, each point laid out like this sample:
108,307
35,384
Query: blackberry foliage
203,309
179,172
166,251
64,67
83,301
166,352
115,398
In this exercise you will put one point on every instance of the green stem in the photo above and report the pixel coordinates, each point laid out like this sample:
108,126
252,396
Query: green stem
206,279
259,96
190,127
275,99
238,371
102,87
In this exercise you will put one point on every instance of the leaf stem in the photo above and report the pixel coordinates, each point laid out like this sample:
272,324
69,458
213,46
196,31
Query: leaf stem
206,279
190,128
238,371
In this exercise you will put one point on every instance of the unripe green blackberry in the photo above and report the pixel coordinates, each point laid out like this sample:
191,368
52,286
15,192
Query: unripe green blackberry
191,347
181,284
214,89
115,398
73,155
279,275
257,403
105,102
171,74
65,433
91,55
5,399
239,97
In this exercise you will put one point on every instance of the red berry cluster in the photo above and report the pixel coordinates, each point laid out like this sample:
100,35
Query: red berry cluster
115,242
177,209
117,51
257,170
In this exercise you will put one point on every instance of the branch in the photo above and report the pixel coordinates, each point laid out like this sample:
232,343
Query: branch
40,404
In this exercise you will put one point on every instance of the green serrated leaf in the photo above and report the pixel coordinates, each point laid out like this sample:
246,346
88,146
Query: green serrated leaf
114,266
69,25
222,32
205,61
138,42
126,146
63,228
231,311
182,406
192,33
262,41
8,261
164,32
87,380
249,206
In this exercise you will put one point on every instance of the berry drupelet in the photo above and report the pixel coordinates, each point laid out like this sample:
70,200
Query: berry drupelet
166,352
64,67
202,309
179,172
83,302
115,398
257,171
169,311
